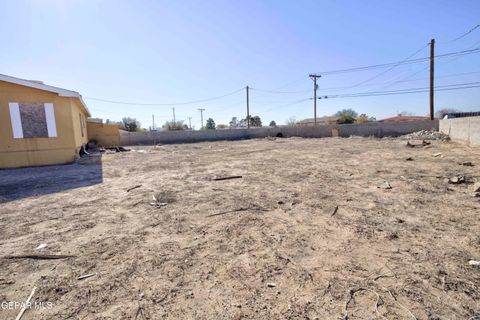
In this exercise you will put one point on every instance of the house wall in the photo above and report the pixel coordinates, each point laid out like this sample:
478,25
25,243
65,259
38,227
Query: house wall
107,135
462,129
76,110
36,151
376,129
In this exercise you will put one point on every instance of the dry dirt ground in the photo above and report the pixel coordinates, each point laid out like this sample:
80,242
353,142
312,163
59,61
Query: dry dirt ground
282,252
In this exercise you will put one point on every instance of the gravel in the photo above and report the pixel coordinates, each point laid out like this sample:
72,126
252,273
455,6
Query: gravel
426,135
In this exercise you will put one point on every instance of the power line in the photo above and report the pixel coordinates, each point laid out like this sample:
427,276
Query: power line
409,76
385,65
456,86
463,35
288,104
389,69
165,104
279,92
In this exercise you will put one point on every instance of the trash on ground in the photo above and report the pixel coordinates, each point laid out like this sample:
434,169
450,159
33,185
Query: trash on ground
457,180
413,145
386,186
474,263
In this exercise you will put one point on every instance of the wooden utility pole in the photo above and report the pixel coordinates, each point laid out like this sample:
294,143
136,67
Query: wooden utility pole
314,77
190,122
432,65
248,108
201,116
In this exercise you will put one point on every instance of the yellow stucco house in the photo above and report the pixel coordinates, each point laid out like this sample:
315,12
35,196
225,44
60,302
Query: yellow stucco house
39,124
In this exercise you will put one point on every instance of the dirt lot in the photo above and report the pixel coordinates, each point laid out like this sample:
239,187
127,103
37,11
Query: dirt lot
283,252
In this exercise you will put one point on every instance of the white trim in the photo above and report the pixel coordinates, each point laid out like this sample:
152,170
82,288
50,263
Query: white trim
50,116
31,84
16,120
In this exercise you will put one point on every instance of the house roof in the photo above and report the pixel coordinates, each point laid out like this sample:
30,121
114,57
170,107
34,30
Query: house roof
41,86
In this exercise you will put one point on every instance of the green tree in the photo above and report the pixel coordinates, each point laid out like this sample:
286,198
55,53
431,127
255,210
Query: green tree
364,118
130,124
273,124
221,126
234,123
255,121
210,125
172,126
346,116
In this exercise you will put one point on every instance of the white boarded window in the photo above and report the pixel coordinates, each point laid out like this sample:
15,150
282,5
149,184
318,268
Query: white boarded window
50,116
16,120
32,120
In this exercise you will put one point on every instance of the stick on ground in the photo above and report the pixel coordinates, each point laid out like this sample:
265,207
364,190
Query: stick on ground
334,211
40,256
227,178
225,212
20,314
86,276
134,187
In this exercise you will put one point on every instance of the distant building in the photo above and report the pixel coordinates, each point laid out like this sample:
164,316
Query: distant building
462,114
400,118
320,121
39,124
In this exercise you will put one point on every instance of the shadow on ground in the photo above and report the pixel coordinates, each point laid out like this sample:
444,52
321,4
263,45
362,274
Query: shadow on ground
35,181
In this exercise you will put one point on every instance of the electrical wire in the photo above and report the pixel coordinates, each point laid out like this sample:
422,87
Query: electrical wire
385,65
165,104
463,35
412,80
389,69
466,85
279,92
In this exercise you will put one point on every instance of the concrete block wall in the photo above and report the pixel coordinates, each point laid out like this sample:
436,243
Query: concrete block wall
377,129
462,129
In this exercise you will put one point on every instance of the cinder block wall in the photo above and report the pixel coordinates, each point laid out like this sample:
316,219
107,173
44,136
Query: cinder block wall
462,129
376,129
106,135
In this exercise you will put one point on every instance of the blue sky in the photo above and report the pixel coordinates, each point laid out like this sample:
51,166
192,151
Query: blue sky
175,51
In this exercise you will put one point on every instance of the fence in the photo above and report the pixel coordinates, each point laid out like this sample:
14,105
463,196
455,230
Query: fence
376,129
462,129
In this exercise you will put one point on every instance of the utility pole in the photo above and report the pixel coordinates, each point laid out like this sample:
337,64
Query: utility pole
432,60
174,122
314,77
190,122
153,122
248,108
201,115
